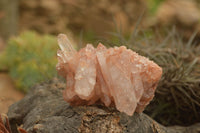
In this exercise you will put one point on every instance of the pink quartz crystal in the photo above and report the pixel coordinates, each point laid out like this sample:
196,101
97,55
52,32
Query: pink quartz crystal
114,76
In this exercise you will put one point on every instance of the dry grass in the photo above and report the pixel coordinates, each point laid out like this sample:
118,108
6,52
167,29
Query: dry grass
177,99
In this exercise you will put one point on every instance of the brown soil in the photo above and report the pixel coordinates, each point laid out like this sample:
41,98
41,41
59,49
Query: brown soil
8,93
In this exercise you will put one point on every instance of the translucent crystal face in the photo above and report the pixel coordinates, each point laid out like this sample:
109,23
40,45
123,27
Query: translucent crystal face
65,44
115,76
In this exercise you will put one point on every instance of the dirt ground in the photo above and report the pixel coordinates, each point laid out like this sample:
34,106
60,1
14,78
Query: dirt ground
8,93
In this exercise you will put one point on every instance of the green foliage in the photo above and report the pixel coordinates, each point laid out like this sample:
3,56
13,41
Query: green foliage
153,5
30,58
178,92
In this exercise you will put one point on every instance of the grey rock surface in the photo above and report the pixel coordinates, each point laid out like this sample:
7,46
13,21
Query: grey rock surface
43,110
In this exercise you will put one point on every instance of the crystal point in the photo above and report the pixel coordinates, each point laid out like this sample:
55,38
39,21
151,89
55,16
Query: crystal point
115,76
65,44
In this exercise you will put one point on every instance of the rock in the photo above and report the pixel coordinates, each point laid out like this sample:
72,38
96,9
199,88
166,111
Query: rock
184,14
28,4
115,76
50,8
172,11
44,110
57,16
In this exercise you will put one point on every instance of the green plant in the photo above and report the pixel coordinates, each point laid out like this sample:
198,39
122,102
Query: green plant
153,5
30,58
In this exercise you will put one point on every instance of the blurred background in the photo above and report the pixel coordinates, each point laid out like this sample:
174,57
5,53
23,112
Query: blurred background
165,31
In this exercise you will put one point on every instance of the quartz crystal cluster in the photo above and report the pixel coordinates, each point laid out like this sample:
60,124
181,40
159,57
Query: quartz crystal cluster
113,76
